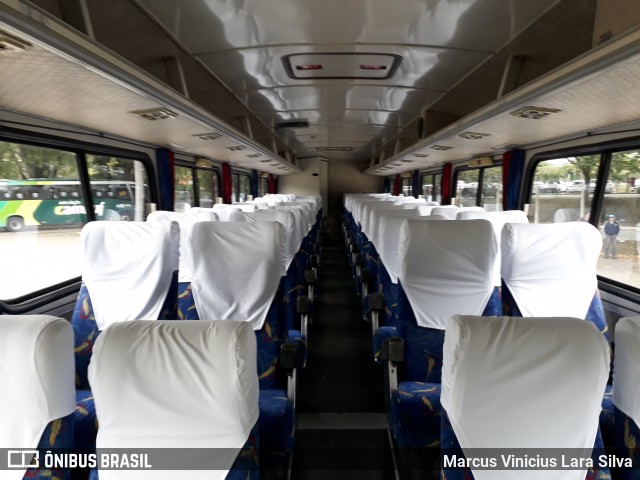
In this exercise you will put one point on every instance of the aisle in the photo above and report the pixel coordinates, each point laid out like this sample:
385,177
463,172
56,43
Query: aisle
340,375
341,423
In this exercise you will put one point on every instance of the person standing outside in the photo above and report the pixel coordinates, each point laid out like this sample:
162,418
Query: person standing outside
611,230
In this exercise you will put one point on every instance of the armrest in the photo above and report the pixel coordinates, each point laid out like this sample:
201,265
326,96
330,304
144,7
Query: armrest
381,335
292,352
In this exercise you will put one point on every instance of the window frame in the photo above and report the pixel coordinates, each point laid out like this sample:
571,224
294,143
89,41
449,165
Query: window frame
606,151
50,294
196,181
433,175
481,169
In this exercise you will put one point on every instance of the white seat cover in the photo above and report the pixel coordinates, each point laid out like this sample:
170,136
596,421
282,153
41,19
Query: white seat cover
186,221
550,269
128,268
36,379
199,392
236,269
626,378
513,383
498,220
288,221
447,211
390,239
443,268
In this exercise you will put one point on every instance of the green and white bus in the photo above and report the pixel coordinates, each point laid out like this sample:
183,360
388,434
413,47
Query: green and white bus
50,202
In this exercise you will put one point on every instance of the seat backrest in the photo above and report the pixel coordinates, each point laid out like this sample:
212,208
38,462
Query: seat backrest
550,270
515,383
128,268
444,267
36,379
626,378
186,385
186,221
288,221
236,269
498,220
447,211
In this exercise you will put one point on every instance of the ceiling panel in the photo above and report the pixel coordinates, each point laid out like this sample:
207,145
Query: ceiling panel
214,25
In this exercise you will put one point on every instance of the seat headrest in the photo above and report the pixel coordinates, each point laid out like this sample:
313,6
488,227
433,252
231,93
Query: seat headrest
516,383
443,267
168,384
36,377
128,268
236,269
626,384
550,269
447,211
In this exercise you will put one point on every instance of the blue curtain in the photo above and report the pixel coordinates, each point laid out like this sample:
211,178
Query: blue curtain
166,174
254,183
512,171
415,184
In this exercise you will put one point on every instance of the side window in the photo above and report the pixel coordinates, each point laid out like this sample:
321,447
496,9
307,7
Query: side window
491,199
480,187
184,188
436,194
235,187
206,197
263,186
120,188
467,187
244,188
406,186
619,219
563,188
41,214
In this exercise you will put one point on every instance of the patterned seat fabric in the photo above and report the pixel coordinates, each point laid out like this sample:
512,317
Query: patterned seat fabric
271,330
132,236
415,405
59,435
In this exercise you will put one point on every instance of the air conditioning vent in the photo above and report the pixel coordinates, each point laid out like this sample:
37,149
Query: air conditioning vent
534,113
473,135
155,114
267,160
254,155
10,44
208,136
236,148
420,155
406,160
300,123
334,149
441,147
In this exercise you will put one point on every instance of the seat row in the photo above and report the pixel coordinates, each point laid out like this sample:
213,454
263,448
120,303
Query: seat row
185,266
189,388
445,268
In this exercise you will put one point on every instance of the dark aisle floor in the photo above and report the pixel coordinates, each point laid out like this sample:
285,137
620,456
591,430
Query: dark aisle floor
341,423
340,375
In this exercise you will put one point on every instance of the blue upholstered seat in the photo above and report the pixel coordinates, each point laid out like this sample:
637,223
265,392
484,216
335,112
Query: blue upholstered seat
427,295
83,320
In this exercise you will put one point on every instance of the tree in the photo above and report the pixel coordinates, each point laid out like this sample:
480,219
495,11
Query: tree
588,166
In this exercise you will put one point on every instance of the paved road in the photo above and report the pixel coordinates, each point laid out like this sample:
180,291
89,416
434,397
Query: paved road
34,260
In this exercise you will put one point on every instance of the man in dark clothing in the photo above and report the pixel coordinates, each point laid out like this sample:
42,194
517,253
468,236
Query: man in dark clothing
611,230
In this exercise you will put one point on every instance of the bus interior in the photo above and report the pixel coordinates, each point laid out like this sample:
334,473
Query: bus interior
297,166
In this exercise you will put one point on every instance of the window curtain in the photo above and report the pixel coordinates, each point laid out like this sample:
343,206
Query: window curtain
226,183
166,178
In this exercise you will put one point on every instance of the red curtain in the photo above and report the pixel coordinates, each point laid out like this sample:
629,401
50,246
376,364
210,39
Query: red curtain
272,184
397,185
447,170
226,183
